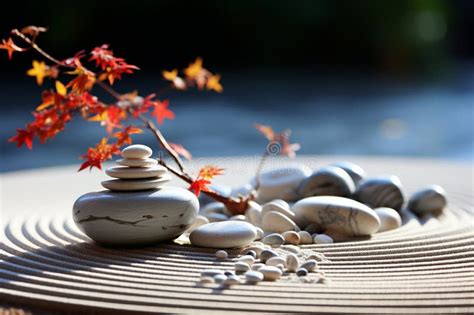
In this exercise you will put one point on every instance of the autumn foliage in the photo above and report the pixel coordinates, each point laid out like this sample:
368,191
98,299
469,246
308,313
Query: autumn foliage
72,94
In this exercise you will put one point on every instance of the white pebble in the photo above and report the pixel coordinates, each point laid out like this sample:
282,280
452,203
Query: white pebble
200,220
291,237
238,217
137,151
305,238
241,266
257,249
267,254
274,239
220,278
216,217
257,266
310,265
292,262
248,259
232,280
253,277
270,273
221,254
322,239
207,279
275,261
254,213
273,221
260,233
211,272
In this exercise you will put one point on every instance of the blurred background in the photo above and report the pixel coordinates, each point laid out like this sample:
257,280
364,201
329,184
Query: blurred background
348,77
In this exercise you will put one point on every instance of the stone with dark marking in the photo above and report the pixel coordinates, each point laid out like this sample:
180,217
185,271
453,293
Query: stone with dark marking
344,215
327,181
135,218
431,199
379,192
355,171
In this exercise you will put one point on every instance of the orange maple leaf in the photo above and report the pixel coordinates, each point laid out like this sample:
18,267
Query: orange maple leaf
214,84
123,137
39,70
161,111
95,156
10,47
199,185
194,69
208,172
181,150
170,75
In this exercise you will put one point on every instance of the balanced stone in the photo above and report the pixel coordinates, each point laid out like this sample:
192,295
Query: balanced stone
381,192
389,219
276,222
327,181
226,234
136,184
141,217
134,172
355,171
432,200
137,162
281,183
337,213
137,151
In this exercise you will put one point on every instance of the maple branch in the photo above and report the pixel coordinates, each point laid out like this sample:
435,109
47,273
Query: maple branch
259,169
37,48
109,90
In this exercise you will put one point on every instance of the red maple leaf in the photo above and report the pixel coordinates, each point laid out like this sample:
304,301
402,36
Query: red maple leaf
199,185
10,47
123,137
95,156
23,137
267,131
161,111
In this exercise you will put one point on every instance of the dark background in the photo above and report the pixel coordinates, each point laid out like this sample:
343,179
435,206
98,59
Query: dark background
349,77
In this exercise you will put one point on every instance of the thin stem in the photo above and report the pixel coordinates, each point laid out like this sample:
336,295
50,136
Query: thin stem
259,169
109,90
37,48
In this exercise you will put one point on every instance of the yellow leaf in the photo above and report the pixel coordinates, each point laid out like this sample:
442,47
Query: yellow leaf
170,75
194,69
214,84
39,71
60,88
43,106
99,117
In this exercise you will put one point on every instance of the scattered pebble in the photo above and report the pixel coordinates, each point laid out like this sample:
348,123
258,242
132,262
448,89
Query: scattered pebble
313,228
281,267
229,273
200,220
291,237
256,249
254,213
270,273
238,217
301,272
241,266
305,238
431,199
248,259
225,234
273,221
257,266
220,278
221,254
322,239
317,257
232,280
280,206
355,171
327,181
380,192
389,219
292,248
251,253
274,239
253,276
310,265
207,279
267,254
273,261
292,262
260,233
216,217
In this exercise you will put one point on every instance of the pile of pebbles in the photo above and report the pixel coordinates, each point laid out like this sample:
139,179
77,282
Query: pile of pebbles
261,263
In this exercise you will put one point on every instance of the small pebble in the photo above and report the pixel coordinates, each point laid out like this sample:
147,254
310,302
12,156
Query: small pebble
273,221
232,280
216,217
200,220
220,278
137,151
291,237
274,239
247,259
211,272
292,248
267,254
322,239
221,254
241,266
317,257
256,249
313,228
305,238
389,219
270,273
281,267
253,276
254,213
431,199
229,273
260,233
207,279
292,262
310,265
301,272
251,253
257,266
238,217
273,261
